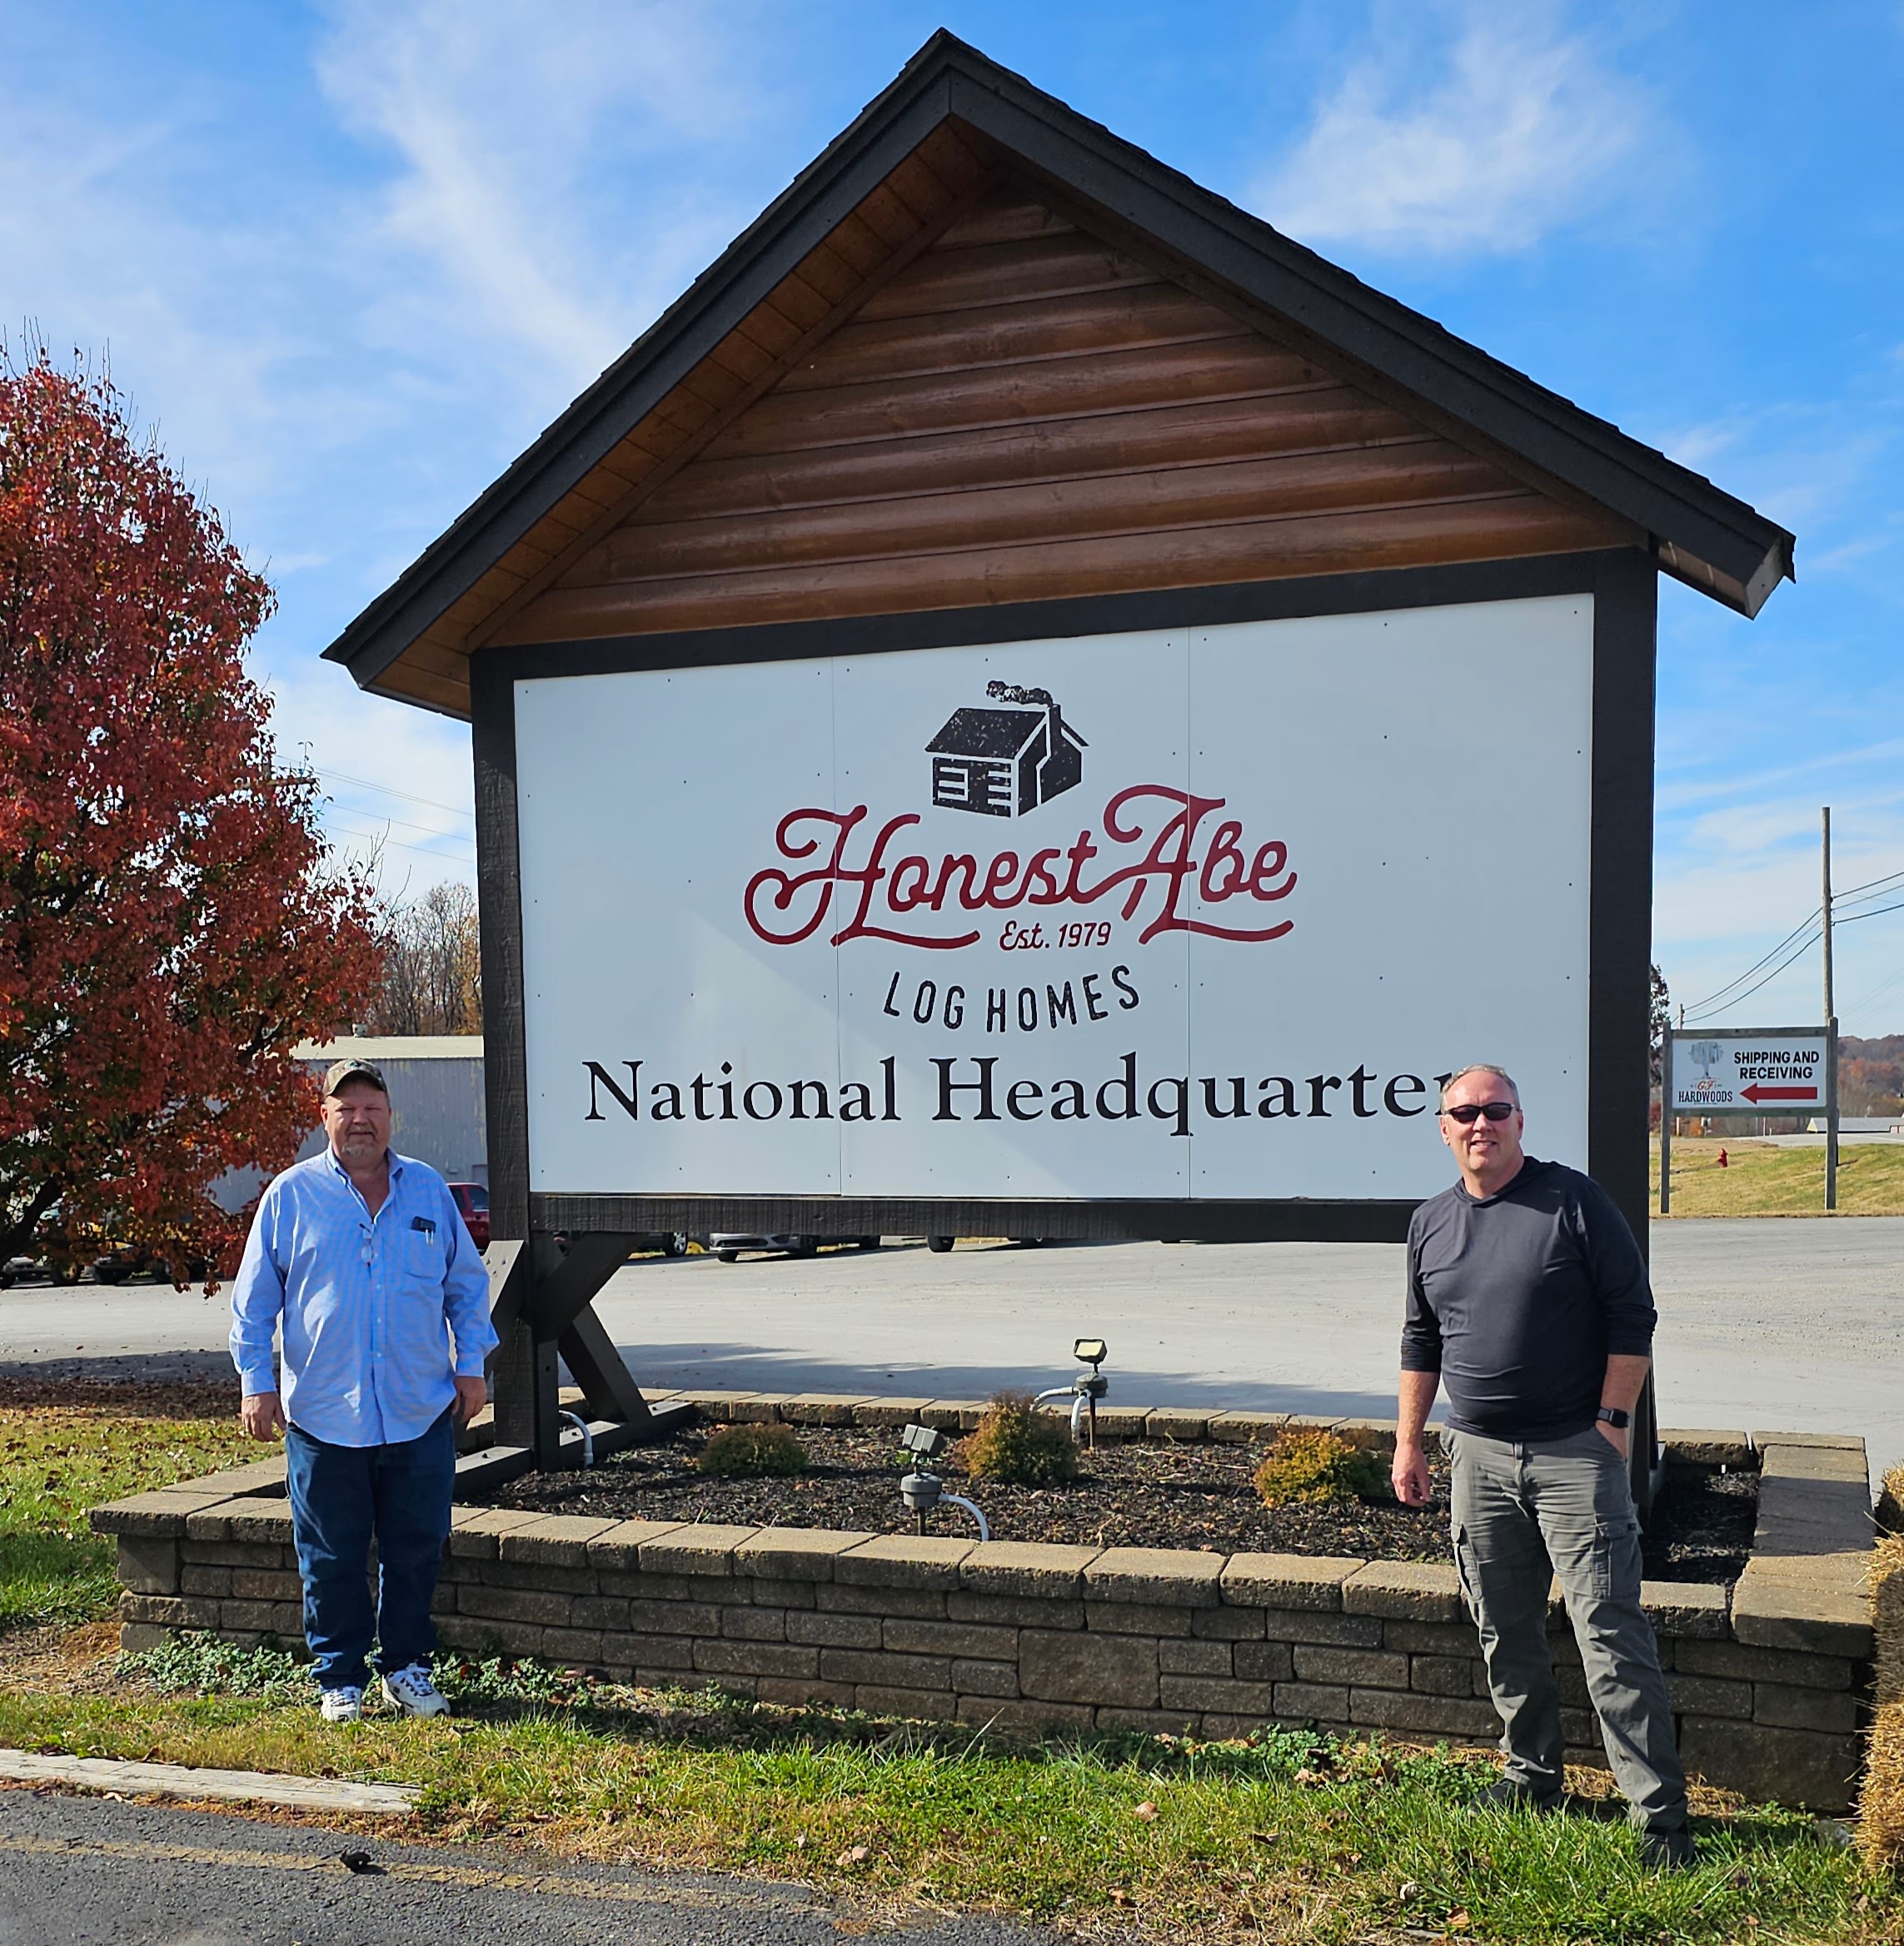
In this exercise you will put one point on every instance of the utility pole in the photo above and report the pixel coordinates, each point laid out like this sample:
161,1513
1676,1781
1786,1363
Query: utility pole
1831,1035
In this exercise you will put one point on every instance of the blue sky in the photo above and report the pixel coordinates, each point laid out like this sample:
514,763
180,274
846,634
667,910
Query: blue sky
348,260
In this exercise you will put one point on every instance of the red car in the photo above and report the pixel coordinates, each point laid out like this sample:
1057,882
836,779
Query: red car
472,1199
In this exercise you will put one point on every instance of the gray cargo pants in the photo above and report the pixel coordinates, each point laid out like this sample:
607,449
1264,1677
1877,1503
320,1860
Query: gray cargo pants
1518,1508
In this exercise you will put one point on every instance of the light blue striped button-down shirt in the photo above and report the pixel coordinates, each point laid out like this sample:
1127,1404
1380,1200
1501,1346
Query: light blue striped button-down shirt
367,1304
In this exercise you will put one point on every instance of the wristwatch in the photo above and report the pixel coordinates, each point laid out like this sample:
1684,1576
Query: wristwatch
1613,1416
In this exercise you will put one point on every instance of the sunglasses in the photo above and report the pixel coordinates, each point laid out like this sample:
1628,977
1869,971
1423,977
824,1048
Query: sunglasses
1474,1110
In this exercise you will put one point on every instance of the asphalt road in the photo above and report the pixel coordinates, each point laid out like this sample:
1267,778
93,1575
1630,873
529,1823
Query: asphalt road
1794,1324
94,1872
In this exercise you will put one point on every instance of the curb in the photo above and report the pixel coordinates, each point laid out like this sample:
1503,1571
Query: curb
180,1781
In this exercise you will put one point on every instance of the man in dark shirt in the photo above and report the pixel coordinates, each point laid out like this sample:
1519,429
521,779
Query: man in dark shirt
1527,1295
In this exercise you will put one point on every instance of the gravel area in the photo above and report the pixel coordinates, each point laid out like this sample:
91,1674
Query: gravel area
1139,1494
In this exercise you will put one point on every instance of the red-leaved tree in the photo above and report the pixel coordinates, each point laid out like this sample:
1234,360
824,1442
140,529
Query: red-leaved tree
170,922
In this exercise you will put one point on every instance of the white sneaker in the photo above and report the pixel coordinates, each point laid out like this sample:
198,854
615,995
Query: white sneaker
344,1705
412,1692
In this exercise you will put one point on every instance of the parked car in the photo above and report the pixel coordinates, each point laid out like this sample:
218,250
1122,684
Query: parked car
471,1200
727,1248
128,1260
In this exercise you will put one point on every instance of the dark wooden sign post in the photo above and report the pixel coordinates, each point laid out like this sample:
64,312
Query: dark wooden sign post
985,373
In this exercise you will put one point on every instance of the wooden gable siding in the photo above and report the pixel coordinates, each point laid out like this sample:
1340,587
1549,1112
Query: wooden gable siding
876,239
1024,413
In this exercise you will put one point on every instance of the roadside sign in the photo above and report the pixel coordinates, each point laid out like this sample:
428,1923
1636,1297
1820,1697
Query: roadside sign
1750,1071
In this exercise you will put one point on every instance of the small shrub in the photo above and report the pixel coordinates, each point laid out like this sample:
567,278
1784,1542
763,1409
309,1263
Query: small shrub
1018,1445
1314,1466
752,1452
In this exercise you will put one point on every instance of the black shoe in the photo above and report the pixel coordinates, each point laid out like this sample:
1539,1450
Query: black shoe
1671,1850
1509,1794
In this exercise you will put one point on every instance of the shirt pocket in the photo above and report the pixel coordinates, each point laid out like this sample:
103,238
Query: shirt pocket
423,1257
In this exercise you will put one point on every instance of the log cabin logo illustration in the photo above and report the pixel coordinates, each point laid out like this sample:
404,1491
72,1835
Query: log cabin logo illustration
1005,762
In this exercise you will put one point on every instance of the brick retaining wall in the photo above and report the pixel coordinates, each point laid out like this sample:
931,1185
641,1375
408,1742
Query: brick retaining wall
1769,1685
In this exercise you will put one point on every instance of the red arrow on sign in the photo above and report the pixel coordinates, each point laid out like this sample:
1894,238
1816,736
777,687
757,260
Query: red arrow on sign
1755,1093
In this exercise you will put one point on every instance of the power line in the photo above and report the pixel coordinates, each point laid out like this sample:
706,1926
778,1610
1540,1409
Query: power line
1872,914
410,796
1702,1006
378,818
1792,959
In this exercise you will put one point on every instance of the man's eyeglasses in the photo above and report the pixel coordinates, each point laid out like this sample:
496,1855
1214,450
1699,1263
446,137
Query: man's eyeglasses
1474,1110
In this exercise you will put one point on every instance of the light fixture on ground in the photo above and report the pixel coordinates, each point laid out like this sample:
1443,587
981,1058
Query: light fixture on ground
922,1491
1086,1389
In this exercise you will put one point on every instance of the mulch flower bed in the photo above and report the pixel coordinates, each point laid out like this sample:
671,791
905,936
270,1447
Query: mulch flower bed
1139,1494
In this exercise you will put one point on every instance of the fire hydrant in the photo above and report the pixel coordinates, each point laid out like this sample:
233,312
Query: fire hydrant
1723,1164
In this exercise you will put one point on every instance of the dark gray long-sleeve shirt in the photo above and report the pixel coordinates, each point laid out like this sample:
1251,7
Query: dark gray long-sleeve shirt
1519,1299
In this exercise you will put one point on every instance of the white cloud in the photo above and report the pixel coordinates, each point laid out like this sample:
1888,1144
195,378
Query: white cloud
1516,128
508,121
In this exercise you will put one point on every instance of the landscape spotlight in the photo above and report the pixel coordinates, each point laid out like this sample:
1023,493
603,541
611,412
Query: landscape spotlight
927,1441
1092,1351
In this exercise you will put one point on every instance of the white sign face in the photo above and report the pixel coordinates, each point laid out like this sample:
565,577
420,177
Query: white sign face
1196,913
1750,1071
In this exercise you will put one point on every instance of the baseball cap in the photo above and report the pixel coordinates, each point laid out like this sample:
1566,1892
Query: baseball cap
340,1072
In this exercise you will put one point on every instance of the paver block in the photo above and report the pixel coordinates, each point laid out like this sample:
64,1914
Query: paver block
1791,1766
161,1515
1832,1711
1715,1695
619,1547
1687,1608
1287,1581
474,1531
147,1564
1246,1428
1433,1716
1170,1422
793,1553
946,1638
1702,1446
551,1540
1741,1662
1025,1718
1025,1567
1408,1590
1164,1577
1770,1612
1377,1669
952,1415
257,1520
695,1547
1369,1435
902,1561
1067,1666
888,1412
1206,1692
822,1408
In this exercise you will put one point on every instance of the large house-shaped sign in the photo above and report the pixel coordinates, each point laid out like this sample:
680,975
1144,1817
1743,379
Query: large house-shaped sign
805,909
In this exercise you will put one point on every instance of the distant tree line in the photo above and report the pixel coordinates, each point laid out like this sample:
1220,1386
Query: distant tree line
1871,1075
432,967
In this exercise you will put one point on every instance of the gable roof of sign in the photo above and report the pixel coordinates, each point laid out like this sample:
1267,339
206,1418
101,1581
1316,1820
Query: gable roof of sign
437,609
995,732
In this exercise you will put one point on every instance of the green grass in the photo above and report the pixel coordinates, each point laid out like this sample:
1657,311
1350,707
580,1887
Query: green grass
1285,1836
1761,1181
1289,1836
56,1462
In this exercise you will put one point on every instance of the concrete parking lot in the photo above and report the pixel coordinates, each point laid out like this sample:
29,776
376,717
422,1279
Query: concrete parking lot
1766,1323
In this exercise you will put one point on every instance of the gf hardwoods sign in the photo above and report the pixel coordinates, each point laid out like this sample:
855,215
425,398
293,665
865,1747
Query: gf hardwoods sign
1198,913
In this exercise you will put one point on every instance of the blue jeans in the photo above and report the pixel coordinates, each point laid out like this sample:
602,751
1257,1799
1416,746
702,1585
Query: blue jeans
340,1497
